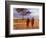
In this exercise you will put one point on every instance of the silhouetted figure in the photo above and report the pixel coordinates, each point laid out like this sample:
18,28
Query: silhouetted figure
28,22
32,21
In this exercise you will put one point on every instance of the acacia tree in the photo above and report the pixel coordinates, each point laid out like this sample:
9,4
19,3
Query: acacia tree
24,12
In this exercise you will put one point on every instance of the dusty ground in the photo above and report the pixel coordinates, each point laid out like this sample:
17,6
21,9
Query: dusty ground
22,24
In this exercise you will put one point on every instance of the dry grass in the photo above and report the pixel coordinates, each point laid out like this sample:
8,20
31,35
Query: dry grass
22,24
